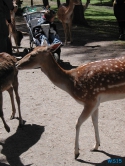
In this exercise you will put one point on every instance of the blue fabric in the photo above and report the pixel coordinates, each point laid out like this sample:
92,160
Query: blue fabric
43,39
41,21
54,38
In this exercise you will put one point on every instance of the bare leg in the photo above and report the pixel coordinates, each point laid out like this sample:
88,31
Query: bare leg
1,113
95,124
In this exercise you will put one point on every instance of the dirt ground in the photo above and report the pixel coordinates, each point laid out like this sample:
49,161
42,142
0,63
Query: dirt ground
50,114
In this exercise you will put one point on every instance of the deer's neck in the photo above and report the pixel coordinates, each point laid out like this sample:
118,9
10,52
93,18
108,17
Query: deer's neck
56,74
70,8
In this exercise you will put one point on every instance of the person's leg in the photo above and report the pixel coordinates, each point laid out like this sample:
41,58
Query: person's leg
119,14
58,51
36,41
55,39
121,30
3,44
44,40
9,46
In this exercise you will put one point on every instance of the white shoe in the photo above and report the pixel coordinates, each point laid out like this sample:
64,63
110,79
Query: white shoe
56,57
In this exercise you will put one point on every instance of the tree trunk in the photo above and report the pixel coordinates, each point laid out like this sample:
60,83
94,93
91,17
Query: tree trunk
78,17
31,2
58,3
45,3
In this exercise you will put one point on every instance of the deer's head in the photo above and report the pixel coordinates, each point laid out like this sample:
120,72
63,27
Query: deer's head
37,58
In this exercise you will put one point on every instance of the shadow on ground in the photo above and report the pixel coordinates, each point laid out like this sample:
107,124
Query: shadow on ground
19,143
120,162
95,31
66,65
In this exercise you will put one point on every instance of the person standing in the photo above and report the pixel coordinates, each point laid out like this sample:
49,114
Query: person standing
5,7
119,12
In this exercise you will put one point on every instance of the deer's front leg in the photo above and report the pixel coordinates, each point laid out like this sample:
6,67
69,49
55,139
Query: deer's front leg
95,124
89,108
65,32
70,31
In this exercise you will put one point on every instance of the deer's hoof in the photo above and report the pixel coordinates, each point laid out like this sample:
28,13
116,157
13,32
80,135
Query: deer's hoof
77,155
21,124
7,128
12,117
95,148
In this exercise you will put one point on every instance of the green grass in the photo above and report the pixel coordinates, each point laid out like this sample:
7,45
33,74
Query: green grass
96,11
99,13
101,2
93,2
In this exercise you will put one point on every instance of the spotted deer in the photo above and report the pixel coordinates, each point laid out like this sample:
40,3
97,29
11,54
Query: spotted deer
89,84
65,15
9,82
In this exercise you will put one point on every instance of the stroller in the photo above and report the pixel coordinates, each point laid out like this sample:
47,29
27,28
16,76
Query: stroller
32,15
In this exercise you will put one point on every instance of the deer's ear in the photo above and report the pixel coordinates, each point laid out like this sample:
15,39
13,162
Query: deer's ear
54,47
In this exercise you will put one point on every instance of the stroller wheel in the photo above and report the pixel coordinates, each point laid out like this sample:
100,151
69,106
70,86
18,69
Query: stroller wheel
25,51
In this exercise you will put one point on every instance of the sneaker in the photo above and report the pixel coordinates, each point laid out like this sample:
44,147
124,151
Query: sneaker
56,57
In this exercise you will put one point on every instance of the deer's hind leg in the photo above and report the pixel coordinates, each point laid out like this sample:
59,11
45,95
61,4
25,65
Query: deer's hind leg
1,113
15,87
65,32
95,124
70,31
10,91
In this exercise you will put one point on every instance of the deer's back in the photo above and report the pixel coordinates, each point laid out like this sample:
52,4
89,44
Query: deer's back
106,78
61,12
7,70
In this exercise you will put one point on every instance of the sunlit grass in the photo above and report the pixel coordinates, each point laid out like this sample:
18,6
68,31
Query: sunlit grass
93,2
96,10
100,13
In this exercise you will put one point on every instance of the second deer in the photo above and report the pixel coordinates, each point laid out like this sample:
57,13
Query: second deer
89,84
9,82
65,15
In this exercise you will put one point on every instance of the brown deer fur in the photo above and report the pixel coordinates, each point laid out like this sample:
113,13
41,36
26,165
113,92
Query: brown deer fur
65,15
9,82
